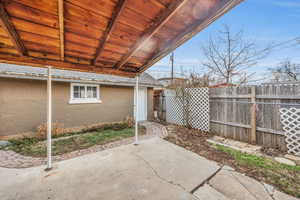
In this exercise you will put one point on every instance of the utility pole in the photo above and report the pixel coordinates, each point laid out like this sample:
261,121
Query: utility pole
172,66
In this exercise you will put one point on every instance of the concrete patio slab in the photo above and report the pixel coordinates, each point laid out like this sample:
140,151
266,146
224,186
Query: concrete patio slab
278,195
174,164
208,193
281,196
155,169
238,186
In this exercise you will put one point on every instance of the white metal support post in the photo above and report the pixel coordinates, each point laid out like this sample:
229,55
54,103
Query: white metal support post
49,119
136,110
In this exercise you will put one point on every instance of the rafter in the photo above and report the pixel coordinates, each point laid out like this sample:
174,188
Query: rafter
116,15
10,30
61,28
160,22
158,3
39,62
187,34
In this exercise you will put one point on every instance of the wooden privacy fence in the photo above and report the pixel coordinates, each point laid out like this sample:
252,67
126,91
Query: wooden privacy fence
252,113
249,113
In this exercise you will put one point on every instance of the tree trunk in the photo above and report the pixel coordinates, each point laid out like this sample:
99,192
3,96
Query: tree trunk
227,79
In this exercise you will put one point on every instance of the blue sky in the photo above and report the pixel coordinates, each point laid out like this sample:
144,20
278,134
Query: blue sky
264,21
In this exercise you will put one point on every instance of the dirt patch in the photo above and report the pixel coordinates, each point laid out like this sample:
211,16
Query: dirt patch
285,178
195,141
275,152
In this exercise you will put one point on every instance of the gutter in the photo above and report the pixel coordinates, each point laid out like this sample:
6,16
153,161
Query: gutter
44,78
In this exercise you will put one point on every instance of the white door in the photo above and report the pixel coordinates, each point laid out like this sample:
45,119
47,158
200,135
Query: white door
142,103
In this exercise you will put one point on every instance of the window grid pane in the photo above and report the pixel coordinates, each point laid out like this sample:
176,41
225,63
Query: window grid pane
76,92
94,92
89,92
82,92
85,92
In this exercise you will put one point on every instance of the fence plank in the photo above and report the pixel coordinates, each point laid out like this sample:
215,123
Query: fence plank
232,106
253,116
233,116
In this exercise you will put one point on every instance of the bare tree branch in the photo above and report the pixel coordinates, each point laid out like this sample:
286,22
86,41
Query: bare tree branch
286,71
228,54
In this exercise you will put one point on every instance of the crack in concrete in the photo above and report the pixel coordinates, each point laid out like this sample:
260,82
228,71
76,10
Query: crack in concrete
157,174
206,180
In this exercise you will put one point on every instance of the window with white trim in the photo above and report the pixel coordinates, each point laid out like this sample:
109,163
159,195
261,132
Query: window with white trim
84,93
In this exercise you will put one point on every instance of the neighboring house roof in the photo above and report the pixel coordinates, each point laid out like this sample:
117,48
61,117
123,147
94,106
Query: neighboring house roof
36,73
166,81
222,85
170,78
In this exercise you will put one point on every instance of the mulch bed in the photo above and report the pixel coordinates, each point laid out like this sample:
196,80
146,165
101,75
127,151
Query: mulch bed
195,141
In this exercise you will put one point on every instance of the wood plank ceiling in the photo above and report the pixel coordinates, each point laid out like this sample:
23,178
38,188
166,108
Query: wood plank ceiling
122,37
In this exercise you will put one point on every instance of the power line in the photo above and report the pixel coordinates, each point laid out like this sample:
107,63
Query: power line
289,47
172,65
285,42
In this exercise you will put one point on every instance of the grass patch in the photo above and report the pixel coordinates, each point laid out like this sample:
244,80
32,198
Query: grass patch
111,126
285,177
37,148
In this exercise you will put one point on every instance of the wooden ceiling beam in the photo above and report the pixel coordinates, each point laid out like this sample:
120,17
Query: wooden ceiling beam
111,25
158,3
188,34
61,28
153,29
39,62
10,30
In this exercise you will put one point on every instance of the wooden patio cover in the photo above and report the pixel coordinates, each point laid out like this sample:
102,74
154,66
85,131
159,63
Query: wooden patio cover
121,37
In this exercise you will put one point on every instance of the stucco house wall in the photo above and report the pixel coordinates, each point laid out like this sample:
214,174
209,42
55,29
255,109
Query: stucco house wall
23,105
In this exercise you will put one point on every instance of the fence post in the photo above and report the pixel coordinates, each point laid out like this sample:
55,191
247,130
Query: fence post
253,115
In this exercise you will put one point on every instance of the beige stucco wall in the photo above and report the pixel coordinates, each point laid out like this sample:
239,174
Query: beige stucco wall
23,105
